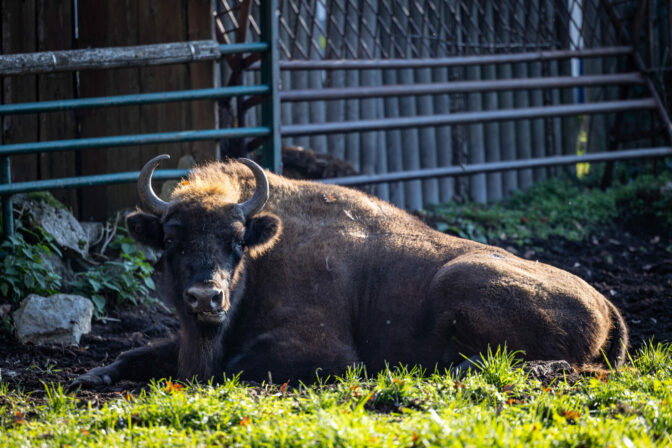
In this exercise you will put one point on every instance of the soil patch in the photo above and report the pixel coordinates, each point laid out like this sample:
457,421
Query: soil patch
633,270
127,327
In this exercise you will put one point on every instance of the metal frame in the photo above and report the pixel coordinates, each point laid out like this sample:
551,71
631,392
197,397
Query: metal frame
143,55
501,166
467,117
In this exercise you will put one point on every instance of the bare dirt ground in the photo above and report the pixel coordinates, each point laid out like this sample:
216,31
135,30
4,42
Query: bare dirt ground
632,268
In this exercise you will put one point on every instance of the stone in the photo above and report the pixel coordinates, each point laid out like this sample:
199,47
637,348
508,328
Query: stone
58,222
93,230
58,319
59,266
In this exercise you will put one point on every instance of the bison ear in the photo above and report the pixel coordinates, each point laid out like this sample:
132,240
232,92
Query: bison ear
261,233
145,229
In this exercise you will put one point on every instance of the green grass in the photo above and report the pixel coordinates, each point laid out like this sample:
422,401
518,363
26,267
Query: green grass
496,405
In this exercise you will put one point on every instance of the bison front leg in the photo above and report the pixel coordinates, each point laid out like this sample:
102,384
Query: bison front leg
140,364
280,358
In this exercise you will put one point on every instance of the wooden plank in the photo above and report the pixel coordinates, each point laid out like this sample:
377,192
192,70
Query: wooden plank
425,106
536,96
395,159
95,58
367,107
163,21
54,32
18,36
493,148
108,24
335,78
477,183
382,190
407,107
201,75
299,79
444,139
507,129
352,35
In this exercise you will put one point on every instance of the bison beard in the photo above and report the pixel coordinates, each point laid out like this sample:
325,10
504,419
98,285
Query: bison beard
326,277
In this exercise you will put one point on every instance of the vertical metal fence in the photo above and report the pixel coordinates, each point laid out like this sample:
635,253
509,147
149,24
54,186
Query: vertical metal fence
339,32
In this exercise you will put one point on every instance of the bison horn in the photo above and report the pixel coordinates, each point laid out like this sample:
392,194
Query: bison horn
149,200
261,192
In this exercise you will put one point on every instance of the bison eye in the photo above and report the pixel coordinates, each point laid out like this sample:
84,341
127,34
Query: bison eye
169,240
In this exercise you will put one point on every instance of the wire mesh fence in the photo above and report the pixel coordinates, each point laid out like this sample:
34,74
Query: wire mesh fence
318,30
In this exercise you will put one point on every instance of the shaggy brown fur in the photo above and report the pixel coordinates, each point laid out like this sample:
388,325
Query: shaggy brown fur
340,277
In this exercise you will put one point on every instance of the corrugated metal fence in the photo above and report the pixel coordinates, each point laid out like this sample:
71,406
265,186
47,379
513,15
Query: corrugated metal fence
393,29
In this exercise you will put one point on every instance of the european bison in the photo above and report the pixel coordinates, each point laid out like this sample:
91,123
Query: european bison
279,277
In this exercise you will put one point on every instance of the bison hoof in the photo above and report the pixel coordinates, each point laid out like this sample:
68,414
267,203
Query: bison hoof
93,378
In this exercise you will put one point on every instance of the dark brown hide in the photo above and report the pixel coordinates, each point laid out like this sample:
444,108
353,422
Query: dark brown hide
348,278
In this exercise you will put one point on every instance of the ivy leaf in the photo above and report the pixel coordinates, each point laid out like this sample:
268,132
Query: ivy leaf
150,283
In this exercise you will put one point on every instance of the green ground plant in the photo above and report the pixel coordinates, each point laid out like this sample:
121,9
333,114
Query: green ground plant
126,278
563,206
25,267
495,404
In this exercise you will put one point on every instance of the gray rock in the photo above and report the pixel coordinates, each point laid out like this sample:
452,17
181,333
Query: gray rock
93,230
59,266
58,319
59,223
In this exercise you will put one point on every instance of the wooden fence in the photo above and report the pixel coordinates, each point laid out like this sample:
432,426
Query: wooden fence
41,25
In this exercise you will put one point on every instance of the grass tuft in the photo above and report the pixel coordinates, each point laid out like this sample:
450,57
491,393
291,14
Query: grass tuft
496,404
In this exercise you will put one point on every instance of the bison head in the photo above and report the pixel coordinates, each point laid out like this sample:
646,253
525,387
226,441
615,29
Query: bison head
204,248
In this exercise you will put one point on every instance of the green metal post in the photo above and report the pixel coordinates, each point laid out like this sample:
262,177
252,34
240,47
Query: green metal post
270,75
7,214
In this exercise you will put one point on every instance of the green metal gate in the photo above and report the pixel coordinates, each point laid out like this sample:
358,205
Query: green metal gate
144,55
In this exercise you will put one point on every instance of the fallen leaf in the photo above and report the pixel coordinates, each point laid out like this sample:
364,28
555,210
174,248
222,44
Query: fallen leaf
570,415
329,198
283,388
173,387
19,418
244,421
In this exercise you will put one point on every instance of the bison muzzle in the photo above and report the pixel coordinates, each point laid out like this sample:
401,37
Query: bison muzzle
279,277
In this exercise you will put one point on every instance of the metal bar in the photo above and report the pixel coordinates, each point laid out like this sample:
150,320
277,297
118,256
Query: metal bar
639,63
662,112
7,213
467,117
244,47
136,139
455,61
126,100
86,181
501,166
270,105
111,57
460,87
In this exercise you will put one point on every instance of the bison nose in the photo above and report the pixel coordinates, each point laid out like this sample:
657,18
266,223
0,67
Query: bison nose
203,298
